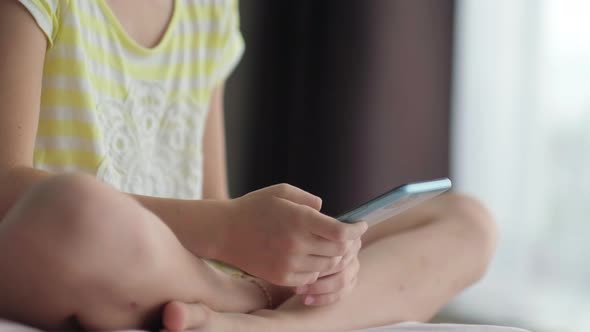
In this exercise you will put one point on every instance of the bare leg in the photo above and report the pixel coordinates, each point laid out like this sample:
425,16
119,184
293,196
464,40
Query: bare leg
410,267
75,251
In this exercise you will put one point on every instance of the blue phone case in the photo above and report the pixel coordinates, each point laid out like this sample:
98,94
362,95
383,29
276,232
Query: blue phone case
395,201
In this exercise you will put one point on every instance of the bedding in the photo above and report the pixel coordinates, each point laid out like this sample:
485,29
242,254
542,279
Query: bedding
7,326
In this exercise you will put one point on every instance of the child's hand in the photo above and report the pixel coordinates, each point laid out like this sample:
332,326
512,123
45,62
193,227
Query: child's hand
332,285
278,234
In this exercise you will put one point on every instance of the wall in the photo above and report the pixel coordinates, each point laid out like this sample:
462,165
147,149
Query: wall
342,98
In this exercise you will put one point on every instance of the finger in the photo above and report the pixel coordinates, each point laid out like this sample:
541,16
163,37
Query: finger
335,282
324,226
357,245
296,195
343,264
329,298
325,285
346,261
353,253
313,263
322,247
297,279
350,256
324,299
334,230
179,316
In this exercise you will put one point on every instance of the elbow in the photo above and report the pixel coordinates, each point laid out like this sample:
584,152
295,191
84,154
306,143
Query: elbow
14,182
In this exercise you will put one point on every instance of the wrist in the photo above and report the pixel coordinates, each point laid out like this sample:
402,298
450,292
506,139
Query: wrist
218,237
202,229
222,228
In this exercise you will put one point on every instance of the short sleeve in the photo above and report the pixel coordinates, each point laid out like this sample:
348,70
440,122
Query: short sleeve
232,43
46,14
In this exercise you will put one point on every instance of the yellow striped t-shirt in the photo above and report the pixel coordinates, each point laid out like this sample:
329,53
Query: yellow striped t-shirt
133,116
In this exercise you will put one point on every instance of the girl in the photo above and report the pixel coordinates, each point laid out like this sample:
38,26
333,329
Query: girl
130,93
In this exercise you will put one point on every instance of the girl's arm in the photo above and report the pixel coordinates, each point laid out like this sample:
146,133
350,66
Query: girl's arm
214,166
22,57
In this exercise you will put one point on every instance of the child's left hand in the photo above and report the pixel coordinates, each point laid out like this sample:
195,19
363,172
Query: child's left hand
332,285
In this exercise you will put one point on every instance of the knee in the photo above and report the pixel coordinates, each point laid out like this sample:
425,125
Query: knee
84,235
77,213
66,199
476,216
476,223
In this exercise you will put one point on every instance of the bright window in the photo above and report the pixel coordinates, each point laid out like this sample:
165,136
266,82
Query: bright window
522,144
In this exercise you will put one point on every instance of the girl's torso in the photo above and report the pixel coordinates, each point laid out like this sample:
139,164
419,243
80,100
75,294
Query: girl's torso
127,101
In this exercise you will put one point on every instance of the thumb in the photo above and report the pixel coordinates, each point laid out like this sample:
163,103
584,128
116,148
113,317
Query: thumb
296,195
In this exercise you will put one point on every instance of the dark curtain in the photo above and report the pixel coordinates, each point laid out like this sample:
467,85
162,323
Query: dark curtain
344,99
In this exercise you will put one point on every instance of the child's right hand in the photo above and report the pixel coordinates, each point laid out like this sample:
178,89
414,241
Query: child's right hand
278,234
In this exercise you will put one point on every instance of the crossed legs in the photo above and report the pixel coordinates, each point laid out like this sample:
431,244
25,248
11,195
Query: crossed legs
410,267
77,253
74,252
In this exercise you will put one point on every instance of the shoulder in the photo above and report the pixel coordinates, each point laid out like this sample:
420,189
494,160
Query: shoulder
47,14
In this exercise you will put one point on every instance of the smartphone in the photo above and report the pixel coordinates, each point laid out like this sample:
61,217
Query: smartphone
396,201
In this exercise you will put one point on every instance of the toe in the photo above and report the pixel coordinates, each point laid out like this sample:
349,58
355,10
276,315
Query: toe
179,316
173,316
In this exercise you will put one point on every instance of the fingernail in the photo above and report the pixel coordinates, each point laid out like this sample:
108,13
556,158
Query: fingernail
308,300
315,278
301,289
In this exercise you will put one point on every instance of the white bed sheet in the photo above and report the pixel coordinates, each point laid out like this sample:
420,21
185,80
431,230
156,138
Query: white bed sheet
7,326
418,327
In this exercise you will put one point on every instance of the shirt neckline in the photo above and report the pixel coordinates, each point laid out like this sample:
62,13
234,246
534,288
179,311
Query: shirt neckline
130,41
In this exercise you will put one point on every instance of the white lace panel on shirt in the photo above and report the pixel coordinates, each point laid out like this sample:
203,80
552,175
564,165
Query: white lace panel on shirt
152,143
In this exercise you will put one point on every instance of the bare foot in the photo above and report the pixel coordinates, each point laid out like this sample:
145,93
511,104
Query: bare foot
234,294
184,317
278,294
